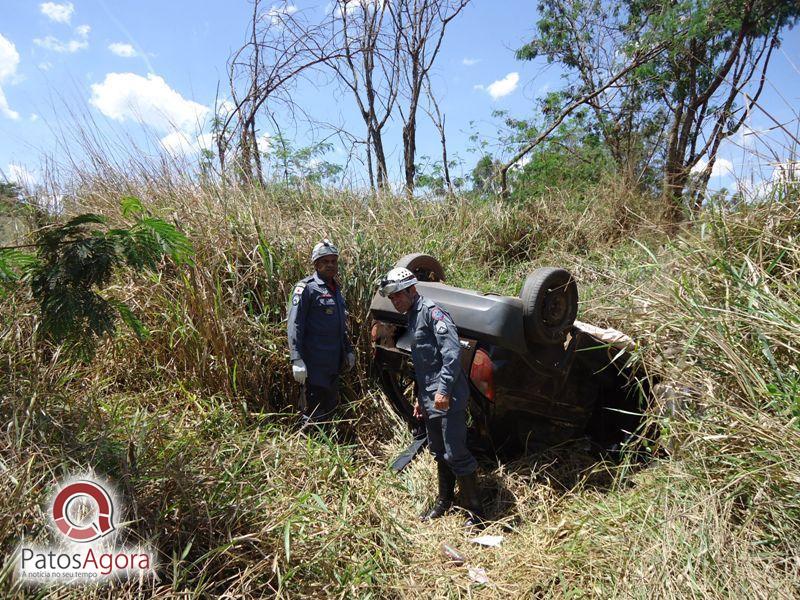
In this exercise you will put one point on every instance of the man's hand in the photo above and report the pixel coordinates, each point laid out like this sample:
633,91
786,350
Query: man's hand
299,371
350,360
441,401
418,411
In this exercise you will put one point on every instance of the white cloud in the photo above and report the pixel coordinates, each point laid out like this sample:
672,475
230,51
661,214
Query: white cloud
468,62
127,96
9,60
123,50
348,6
45,66
205,141
787,172
784,176
277,14
722,167
179,143
503,87
33,118
478,87
5,109
225,107
752,136
264,143
53,43
60,13
20,175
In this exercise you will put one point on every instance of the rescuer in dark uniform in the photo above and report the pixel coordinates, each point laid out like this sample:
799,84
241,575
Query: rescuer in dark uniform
319,344
442,393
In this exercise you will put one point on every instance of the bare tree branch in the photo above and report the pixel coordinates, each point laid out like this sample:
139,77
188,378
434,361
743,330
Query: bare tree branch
638,60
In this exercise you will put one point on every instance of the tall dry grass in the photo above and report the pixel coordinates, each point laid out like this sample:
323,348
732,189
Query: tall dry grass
194,426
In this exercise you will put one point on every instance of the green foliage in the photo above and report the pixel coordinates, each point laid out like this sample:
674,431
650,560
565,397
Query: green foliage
709,51
484,176
699,37
590,39
9,190
13,262
572,158
76,260
430,176
295,166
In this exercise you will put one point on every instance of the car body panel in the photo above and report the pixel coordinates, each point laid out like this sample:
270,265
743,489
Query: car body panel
545,394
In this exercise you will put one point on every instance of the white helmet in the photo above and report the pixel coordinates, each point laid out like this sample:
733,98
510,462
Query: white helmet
324,248
397,279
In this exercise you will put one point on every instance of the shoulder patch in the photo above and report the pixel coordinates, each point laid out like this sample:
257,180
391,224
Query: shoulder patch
440,327
299,288
437,314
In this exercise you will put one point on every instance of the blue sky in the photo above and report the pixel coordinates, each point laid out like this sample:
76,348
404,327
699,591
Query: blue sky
150,71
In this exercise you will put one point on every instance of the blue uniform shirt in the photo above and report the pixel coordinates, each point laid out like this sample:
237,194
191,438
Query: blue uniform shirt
435,352
317,329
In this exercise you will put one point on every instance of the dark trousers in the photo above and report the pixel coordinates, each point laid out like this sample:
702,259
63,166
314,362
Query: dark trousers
320,403
447,440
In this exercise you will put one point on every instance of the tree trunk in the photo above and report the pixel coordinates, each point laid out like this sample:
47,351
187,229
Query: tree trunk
369,163
673,188
445,168
380,159
245,165
256,154
409,151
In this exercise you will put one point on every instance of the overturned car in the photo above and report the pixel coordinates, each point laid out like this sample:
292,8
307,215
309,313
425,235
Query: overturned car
537,376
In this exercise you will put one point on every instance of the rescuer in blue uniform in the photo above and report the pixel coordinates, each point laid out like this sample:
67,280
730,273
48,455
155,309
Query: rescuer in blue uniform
442,393
319,344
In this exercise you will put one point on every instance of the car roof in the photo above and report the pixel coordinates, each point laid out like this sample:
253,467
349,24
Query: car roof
489,318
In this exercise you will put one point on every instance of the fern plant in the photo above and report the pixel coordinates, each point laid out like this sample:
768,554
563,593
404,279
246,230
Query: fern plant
73,263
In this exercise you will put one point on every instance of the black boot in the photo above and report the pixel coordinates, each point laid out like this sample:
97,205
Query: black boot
447,488
471,500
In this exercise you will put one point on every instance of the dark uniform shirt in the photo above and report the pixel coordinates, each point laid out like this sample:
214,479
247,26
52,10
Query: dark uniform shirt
435,351
317,329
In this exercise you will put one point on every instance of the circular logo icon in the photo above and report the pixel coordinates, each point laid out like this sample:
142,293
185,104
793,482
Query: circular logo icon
83,494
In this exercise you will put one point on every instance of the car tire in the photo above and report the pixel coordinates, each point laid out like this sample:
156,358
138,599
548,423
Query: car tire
424,267
549,305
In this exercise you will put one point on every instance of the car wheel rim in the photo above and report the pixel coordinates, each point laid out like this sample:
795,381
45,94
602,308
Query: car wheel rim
555,308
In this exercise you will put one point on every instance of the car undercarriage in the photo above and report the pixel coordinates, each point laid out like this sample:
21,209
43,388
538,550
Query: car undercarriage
567,381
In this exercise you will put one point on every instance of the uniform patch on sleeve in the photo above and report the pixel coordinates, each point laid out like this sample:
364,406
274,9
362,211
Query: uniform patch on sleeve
297,293
440,327
437,314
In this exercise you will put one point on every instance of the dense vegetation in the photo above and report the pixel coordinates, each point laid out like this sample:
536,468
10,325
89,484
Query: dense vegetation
143,337
193,422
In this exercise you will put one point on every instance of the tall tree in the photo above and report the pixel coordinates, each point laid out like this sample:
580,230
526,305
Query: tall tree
592,40
281,47
638,57
696,89
716,48
421,25
438,119
367,64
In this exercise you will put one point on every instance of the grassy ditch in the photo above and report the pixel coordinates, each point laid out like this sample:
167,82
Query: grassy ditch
194,426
